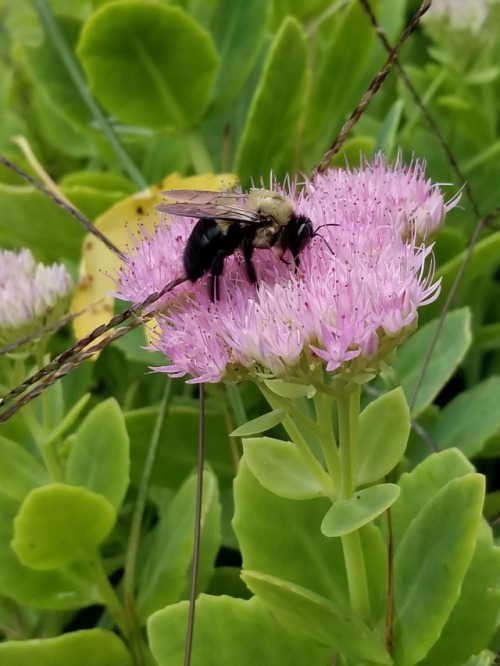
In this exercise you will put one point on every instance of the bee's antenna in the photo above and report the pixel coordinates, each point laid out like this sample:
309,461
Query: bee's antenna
316,233
63,204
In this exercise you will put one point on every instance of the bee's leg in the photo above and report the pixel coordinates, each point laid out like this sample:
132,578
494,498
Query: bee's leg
248,247
216,270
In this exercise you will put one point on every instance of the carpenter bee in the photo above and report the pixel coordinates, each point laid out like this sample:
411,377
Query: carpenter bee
229,221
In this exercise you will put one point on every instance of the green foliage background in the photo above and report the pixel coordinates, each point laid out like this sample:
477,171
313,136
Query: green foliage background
111,97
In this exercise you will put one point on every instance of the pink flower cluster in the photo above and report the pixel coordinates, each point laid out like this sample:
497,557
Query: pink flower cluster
354,298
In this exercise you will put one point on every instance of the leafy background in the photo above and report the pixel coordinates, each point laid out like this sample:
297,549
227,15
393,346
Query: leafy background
116,97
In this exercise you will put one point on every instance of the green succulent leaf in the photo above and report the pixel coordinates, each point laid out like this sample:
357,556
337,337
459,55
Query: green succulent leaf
238,29
277,105
226,631
67,588
20,472
78,648
430,564
149,64
260,424
60,524
281,469
384,427
470,419
347,515
99,458
452,344
315,616
166,570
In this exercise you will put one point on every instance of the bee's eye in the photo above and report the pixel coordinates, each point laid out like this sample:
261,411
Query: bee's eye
304,234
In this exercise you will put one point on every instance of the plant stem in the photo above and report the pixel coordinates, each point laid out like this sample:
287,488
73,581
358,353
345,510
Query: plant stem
323,404
200,159
299,441
348,411
108,594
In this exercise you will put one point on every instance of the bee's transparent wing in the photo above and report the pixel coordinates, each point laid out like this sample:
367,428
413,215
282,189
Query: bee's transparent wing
228,206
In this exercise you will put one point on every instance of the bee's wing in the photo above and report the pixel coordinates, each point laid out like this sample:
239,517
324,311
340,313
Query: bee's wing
228,206
203,197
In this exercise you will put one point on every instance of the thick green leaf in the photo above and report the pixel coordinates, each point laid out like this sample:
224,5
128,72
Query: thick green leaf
277,106
283,538
61,133
96,647
452,344
421,485
166,571
317,617
288,543
260,424
280,468
468,421
384,427
430,565
20,472
228,632
148,64
52,79
341,70
238,29
388,135
473,620
27,216
99,458
59,524
304,11
347,515
289,390
178,444
62,589
484,259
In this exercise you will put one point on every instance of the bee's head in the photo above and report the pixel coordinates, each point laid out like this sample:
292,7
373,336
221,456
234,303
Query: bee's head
304,233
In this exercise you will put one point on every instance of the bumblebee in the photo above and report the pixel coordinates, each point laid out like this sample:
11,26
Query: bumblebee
231,221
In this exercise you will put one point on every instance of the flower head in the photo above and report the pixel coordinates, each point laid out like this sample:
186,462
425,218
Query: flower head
32,296
462,14
353,299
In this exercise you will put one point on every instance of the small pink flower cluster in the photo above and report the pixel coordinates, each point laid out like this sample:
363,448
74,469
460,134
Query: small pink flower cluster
31,295
354,298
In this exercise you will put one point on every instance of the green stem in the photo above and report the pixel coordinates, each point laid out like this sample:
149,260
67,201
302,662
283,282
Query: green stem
323,405
348,410
348,437
296,436
200,159
136,641
107,593
236,403
356,575
75,74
